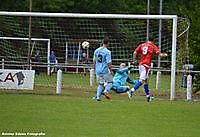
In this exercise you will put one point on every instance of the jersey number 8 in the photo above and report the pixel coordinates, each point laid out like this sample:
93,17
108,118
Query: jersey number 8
144,50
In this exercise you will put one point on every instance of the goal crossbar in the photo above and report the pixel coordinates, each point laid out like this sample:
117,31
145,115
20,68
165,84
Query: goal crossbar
18,38
82,15
115,16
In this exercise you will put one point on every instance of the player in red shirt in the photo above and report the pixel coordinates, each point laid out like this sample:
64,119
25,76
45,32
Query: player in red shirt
146,51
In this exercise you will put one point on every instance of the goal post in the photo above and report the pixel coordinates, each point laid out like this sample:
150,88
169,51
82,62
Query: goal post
173,66
102,31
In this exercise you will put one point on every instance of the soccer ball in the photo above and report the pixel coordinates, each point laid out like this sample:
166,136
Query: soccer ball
85,45
84,55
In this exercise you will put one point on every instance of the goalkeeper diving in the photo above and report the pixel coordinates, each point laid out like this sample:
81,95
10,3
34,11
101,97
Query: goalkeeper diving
120,78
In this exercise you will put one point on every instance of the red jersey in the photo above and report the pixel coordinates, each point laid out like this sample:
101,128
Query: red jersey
146,51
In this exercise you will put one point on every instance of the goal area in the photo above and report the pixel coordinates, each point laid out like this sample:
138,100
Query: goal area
66,31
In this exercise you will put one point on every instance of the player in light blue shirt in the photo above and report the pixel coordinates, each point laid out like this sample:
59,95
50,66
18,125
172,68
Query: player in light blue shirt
103,67
120,79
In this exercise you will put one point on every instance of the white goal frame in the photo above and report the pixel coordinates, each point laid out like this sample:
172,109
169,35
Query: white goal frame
34,39
116,16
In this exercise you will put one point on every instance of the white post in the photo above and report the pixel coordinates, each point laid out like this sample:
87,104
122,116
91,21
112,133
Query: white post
129,65
66,56
59,82
160,32
91,77
87,53
158,80
148,12
48,61
56,66
173,66
189,88
77,63
152,67
3,64
30,64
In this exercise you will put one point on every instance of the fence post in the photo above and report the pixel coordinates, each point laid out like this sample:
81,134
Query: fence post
152,67
91,77
59,82
30,64
3,64
189,88
158,80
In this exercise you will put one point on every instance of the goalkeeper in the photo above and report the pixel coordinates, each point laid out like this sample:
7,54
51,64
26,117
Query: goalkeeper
120,78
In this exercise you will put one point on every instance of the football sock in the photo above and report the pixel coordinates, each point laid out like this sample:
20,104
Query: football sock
108,87
137,85
146,89
100,88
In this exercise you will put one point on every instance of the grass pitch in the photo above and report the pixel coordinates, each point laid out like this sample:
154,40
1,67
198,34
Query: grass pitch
72,115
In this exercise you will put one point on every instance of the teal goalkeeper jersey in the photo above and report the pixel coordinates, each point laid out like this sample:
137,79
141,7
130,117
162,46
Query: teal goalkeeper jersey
120,77
102,56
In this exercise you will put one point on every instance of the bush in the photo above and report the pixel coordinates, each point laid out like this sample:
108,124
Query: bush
196,83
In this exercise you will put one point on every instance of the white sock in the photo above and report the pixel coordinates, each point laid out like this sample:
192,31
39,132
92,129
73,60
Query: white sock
147,96
133,90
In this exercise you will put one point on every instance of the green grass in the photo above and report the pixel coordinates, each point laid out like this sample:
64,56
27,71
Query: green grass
68,80
74,115
82,81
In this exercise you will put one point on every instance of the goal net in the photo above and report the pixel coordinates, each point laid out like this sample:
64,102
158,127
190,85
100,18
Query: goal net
66,32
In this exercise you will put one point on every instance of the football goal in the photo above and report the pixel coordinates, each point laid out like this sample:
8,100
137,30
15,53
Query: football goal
42,46
67,31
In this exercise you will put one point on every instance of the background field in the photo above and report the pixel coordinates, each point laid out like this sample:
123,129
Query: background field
75,114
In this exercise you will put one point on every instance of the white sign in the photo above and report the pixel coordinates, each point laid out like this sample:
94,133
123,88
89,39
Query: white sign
17,79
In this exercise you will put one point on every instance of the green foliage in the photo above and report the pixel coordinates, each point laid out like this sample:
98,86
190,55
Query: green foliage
14,5
196,85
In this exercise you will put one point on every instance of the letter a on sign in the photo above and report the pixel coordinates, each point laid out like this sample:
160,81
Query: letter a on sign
9,77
